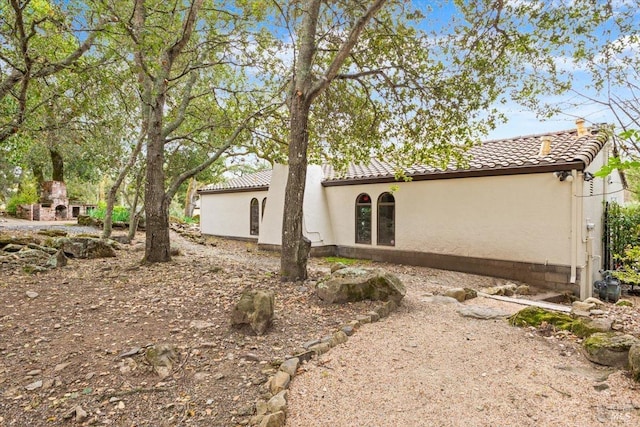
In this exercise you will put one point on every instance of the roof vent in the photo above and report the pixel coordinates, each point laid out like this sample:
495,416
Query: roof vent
582,130
545,146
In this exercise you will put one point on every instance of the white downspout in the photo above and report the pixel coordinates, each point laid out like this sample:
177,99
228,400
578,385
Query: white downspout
587,289
574,227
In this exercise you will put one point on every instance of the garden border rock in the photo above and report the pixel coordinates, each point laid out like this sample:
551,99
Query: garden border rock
272,412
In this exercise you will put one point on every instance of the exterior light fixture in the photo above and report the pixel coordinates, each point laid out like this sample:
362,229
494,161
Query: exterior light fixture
564,176
588,176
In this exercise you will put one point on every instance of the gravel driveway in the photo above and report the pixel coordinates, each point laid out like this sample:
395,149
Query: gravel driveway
426,365
71,227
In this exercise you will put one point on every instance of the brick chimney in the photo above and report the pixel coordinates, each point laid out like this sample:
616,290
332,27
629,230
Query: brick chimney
582,130
545,146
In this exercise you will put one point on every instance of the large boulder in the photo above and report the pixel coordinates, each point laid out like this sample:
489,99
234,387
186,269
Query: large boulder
255,308
357,284
86,247
539,318
609,348
634,360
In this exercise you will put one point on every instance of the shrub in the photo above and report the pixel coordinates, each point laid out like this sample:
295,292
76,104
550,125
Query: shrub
119,214
26,196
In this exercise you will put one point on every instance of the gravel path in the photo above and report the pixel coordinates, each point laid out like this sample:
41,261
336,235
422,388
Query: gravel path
426,365
71,227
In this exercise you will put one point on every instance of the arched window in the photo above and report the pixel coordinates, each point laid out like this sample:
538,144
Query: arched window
254,218
386,219
363,219
264,205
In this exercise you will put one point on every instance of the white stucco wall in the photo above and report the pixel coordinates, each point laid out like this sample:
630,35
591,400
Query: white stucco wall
227,214
316,219
518,217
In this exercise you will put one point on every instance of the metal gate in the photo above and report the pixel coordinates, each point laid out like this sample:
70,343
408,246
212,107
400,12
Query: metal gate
607,237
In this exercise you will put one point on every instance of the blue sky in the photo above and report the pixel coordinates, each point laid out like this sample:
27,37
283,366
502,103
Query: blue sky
522,121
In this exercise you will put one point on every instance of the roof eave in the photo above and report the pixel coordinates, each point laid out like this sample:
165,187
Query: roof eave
514,170
233,190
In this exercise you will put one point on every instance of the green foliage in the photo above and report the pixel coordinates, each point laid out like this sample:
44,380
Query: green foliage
624,228
27,195
120,213
629,272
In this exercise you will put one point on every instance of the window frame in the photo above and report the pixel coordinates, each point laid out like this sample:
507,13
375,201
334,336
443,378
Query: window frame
358,219
254,223
380,203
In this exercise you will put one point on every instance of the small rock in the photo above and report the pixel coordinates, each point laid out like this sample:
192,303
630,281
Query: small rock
32,294
596,301
601,386
279,382
201,324
290,366
348,330
278,402
337,266
458,293
34,385
470,293
582,306
251,357
120,405
34,372
440,299
81,414
480,312
364,319
321,348
624,303
310,344
339,337
273,420
131,352
523,290
60,366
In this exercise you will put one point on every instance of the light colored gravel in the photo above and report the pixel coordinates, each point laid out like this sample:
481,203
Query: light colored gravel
428,366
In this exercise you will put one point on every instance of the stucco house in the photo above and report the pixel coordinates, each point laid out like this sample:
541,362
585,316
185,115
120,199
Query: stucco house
526,208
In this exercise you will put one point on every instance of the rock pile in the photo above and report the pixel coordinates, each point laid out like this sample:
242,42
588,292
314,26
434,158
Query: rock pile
36,255
605,342
271,409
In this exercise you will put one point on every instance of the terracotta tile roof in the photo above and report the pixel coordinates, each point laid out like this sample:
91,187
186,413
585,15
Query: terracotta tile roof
521,154
254,181
514,155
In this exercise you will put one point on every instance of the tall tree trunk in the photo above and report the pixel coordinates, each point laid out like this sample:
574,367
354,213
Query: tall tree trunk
38,174
58,165
190,198
134,213
156,203
295,246
113,191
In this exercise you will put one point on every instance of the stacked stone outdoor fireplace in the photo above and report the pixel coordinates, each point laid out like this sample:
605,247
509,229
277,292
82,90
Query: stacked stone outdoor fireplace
54,205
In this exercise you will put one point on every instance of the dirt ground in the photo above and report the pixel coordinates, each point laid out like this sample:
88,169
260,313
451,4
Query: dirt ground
77,347
68,342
